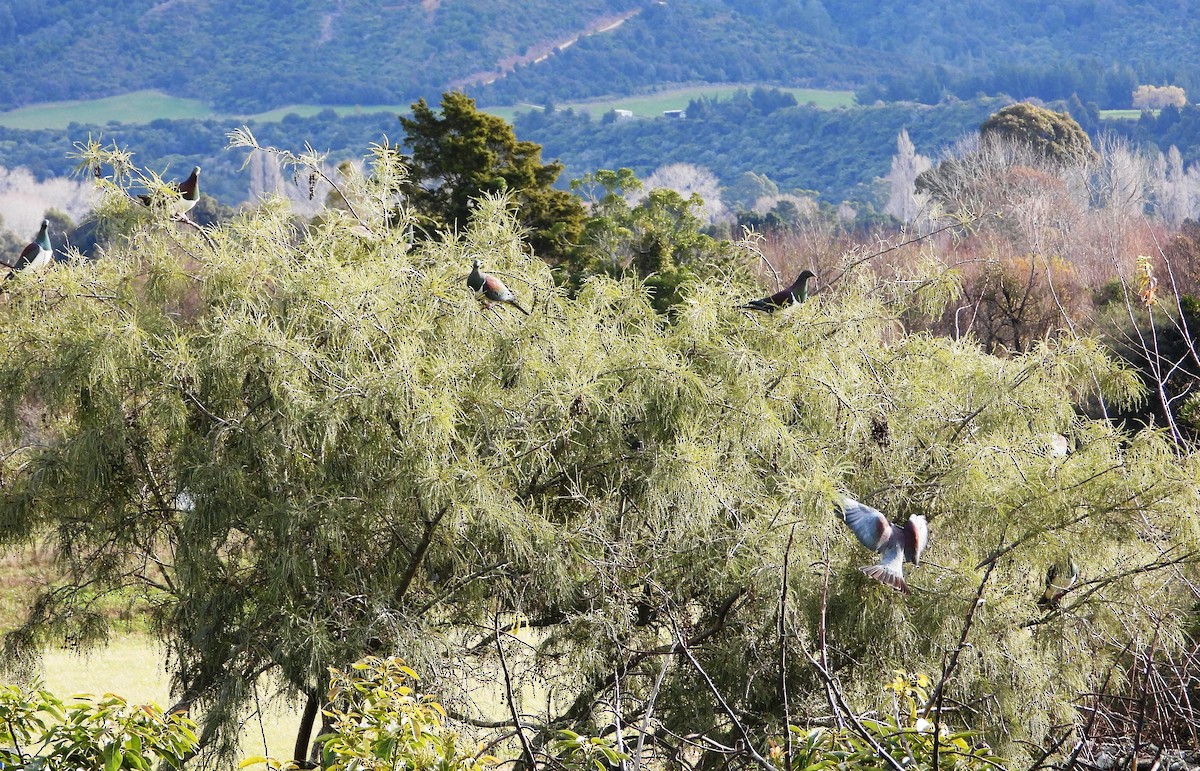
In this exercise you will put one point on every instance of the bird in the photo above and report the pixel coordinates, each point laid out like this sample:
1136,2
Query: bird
491,290
896,544
1057,445
178,205
33,257
1060,577
796,293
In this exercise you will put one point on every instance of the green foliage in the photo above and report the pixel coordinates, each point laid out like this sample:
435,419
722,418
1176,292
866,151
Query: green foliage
907,737
300,447
585,752
380,722
1055,136
465,154
260,55
934,49
837,153
40,732
658,239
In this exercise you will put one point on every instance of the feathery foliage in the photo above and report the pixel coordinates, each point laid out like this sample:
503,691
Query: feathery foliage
300,446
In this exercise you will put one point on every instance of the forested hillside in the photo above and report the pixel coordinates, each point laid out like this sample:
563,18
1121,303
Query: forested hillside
889,50
837,154
256,55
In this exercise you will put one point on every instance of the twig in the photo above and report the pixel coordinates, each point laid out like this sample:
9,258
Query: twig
508,694
892,248
749,742
783,592
1087,729
937,697
822,645
841,707
650,700
1141,718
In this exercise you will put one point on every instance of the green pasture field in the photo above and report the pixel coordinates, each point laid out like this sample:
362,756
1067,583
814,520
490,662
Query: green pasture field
653,105
135,107
1123,114
147,106
132,668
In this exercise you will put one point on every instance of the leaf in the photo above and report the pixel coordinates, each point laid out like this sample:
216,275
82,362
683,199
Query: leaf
113,757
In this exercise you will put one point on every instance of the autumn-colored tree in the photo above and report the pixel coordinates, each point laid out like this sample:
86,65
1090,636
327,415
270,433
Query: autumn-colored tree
1157,97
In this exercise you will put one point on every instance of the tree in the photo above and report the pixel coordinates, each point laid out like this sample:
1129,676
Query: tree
690,180
654,235
464,154
1055,136
1157,97
907,165
40,731
302,447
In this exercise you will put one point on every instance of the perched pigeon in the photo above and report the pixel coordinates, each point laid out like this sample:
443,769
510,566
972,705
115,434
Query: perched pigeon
34,257
1060,577
189,193
491,290
1057,445
796,293
896,544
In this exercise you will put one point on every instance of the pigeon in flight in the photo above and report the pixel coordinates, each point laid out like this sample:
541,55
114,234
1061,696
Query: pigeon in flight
491,290
796,293
33,257
896,544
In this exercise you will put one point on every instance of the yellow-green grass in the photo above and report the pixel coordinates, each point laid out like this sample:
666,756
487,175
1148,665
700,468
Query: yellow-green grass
135,107
1123,114
653,105
147,106
308,110
132,668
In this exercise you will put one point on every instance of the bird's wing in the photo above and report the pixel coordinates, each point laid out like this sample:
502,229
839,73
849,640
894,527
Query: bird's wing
496,290
915,536
28,255
761,304
869,525
889,571
23,258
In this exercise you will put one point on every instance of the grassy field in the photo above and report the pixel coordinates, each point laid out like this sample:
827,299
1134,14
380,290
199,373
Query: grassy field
131,667
1123,114
653,105
136,107
147,106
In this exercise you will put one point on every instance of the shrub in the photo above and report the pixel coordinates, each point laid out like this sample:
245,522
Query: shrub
39,731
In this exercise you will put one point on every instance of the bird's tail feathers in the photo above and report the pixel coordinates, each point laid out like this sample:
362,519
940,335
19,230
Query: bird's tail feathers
886,577
519,307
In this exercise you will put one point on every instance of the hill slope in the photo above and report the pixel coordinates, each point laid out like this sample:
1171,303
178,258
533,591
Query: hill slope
254,54
898,49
